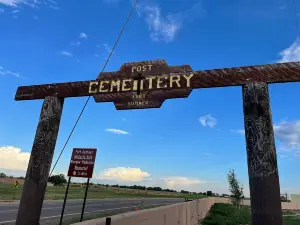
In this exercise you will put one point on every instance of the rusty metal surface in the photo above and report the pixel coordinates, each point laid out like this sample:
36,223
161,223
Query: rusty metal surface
270,73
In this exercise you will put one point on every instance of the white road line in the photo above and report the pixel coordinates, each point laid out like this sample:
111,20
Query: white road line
72,214
80,205
72,206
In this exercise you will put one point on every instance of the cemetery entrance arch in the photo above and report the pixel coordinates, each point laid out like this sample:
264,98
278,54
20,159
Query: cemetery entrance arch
148,84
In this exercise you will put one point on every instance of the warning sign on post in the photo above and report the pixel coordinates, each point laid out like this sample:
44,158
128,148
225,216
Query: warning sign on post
82,162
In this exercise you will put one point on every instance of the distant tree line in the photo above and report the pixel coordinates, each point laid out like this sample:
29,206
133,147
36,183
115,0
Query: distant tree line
235,189
3,175
139,187
58,180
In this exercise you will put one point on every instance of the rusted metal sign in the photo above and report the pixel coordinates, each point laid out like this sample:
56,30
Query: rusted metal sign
157,82
82,162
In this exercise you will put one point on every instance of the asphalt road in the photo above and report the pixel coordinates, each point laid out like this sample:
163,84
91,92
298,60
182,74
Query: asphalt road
52,209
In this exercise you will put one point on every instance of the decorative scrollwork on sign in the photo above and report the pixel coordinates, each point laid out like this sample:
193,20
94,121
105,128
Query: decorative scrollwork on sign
259,131
45,140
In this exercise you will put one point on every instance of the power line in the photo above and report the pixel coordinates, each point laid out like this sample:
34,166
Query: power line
88,99
296,17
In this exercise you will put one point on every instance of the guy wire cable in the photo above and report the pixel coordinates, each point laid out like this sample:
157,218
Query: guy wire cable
88,99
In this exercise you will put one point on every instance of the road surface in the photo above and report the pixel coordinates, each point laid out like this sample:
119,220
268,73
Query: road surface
52,209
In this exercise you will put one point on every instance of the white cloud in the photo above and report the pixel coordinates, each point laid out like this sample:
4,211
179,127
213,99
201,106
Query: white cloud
55,7
30,3
13,74
15,11
164,28
83,36
107,48
181,182
288,133
4,72
13,158
65,53
292,53
208,121
116,131
12,3
238,131
123,174
161,28
283,156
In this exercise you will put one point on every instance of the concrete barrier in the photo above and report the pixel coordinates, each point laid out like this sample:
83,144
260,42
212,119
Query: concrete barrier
187,213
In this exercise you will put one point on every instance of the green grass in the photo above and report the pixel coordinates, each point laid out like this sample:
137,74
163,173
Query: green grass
226,214
8,192
291,220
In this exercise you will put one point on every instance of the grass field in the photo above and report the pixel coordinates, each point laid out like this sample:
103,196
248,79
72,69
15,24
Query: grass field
226,214
8,192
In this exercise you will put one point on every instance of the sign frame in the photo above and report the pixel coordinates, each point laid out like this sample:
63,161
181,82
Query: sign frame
82,159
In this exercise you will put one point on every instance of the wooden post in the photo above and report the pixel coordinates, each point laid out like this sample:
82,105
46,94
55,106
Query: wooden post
261,155
40,162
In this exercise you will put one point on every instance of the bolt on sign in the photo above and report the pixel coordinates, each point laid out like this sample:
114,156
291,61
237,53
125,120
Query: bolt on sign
82,162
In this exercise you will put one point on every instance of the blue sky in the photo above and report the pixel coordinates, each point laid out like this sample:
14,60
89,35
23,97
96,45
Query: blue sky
186,144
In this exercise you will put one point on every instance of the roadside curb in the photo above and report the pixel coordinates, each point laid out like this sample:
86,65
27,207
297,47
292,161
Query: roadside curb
9,202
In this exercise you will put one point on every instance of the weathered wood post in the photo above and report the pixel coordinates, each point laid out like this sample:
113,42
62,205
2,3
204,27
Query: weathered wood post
40,162
261,155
